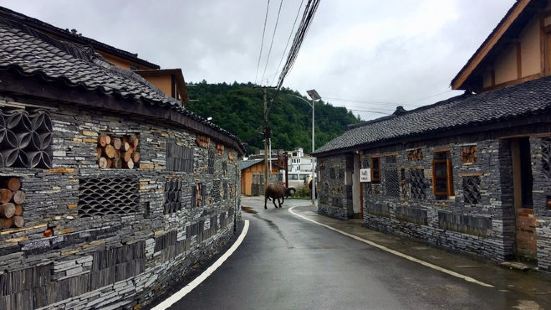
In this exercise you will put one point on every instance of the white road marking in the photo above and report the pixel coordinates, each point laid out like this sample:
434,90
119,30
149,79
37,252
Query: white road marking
384,248
193,284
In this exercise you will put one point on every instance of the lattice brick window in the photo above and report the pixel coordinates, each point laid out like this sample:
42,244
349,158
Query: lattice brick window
215,191
112,195
210,162
178,158
118,152
468,154
392,184
546,156
417,184
173,196
415,154
11,203
471,189
25,139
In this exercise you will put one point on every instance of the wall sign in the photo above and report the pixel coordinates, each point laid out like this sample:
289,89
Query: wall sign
365,175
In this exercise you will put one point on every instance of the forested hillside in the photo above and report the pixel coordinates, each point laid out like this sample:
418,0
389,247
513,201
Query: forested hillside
238,108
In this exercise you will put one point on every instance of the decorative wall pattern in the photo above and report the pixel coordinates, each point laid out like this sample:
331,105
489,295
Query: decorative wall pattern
25,139
103,196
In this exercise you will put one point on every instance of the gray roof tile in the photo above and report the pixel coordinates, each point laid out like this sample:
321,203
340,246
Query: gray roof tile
529,98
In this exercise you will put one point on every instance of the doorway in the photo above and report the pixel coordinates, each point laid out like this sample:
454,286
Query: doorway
525,219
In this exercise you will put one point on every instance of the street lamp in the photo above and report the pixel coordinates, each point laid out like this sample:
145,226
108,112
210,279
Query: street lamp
313,94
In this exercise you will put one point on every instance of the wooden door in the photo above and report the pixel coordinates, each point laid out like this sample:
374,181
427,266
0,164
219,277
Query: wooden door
522,187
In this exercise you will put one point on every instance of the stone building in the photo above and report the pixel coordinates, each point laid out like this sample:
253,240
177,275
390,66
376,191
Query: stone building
110,190
472,173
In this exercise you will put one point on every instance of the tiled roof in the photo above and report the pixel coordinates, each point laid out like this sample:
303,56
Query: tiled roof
244,164
31,52
521,100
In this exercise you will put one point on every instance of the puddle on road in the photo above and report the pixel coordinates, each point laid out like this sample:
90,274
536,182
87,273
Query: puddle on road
248,210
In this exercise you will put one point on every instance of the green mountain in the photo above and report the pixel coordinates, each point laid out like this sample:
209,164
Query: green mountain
238,108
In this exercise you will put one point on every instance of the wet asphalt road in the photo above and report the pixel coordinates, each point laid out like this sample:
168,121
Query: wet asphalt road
287,263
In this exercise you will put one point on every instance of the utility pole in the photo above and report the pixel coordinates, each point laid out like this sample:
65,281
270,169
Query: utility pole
266,137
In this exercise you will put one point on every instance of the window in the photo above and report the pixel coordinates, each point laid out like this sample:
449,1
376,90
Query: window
442,175
375,170
392,184
471,189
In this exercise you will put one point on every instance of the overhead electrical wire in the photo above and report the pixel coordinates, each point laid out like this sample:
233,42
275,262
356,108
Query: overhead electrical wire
307,17
272,41
278,68
262,41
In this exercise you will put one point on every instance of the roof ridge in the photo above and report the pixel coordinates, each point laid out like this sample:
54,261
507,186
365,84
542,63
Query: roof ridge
408,112
22,19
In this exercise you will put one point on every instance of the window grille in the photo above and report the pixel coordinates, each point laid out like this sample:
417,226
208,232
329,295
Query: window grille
25,139
417,184
392,185
178,158
546,156
173,196
113,195
471,189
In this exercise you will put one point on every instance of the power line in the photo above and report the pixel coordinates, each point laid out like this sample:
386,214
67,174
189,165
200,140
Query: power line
262,41
272,42
278,68
307,17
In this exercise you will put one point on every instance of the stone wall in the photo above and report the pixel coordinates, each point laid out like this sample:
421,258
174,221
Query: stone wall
335,196
107,256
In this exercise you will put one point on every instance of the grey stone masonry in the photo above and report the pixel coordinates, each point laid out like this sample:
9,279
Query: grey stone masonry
115,238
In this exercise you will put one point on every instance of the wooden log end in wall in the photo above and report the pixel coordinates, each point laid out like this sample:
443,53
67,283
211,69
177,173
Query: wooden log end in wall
5,195
102,162
6,223
110,151
117,143
99,152
130,164
104,140
109,163
117,163
134,141
18,210
14,184
19,197
7,210
125,146
18,221
127,156
136,157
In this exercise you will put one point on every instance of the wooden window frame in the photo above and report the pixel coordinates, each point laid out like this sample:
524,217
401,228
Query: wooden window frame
448,179
375,180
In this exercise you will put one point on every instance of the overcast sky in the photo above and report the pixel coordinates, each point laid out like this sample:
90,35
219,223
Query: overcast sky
375,54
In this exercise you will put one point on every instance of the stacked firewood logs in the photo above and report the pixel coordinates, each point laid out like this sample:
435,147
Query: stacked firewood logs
11,203
118,152
25,139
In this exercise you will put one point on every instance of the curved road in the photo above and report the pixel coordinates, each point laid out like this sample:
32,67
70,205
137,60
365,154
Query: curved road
288,263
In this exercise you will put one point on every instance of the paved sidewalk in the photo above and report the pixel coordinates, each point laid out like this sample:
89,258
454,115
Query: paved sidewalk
535,285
